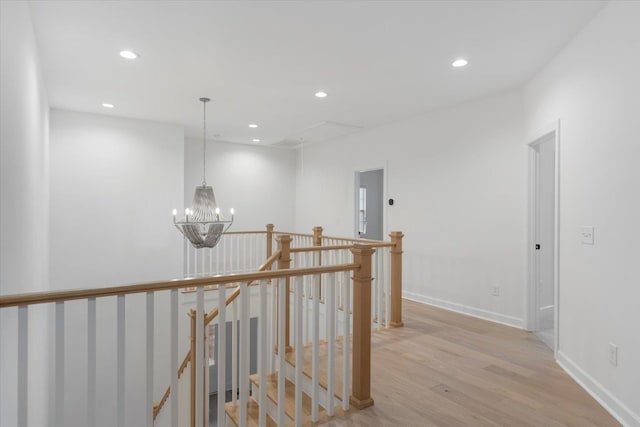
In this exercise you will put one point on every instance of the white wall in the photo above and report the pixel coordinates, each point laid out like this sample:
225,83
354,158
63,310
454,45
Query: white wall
594,89
24,206
114,183
458,180
258,182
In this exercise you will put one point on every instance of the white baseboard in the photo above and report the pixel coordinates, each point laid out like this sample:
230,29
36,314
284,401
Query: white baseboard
619,410
465,309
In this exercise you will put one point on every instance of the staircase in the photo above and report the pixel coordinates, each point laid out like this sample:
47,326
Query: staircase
315,316
306,382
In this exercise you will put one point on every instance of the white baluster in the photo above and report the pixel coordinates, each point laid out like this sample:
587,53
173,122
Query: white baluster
336,279
208,335
229,262
222,347
274,323
315,348
331,313
242,252
244,352
299,282
91,362
307,294
282,290
219,248
379,288
387,288
149,359
346,354
249,263
340,283
173,366
186,264
185,269
237,252
23,363
200,355
234,354
120,370
263,354
250,248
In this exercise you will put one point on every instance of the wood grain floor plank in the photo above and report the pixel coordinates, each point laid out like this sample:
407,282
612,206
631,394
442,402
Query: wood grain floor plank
447,369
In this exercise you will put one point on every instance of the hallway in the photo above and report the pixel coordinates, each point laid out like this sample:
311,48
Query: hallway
448,369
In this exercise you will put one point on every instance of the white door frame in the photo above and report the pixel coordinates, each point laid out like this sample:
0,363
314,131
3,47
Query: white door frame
531,295
356,198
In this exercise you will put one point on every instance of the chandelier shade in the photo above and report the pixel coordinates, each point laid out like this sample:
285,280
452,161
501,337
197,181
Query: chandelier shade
203,224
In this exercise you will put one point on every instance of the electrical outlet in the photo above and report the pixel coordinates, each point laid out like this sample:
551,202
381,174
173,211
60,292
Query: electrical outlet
495,291
613,354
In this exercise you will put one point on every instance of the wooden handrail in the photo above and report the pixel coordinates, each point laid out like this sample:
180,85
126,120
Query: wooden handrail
184,364
332,248
374,243
59,296
212,315
246,232
370,242
288,233
159,405
269,262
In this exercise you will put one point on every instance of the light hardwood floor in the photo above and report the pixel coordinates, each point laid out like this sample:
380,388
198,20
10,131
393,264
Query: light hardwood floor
447,369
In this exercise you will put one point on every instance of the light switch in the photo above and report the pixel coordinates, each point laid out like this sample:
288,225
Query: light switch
587,235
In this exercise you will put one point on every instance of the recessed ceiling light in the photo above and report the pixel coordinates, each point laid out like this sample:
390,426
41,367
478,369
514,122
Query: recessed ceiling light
321,94
253,125
255,140
128,54
459,63
107,105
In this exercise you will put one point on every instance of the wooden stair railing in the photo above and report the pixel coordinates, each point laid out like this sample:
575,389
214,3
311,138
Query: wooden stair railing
289,398
361,313
360,397
209,317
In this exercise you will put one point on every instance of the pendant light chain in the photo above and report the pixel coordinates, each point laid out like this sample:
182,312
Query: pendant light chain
204,142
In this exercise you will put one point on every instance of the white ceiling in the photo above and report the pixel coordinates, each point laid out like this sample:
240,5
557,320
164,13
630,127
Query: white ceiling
262,61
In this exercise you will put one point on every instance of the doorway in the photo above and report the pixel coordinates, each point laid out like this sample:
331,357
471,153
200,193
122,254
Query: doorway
543,238
369,187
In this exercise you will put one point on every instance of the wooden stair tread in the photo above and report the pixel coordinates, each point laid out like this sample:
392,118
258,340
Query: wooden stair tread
289,404
253,414
307,366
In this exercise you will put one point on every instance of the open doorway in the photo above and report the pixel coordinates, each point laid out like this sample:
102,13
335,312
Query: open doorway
543,237
369,195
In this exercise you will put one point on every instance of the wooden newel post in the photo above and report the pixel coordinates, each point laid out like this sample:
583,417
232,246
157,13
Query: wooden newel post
284,262
317,241
396,279
317,236
269,241
361,355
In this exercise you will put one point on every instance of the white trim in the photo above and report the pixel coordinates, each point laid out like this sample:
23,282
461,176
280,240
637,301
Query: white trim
480,313
615,407
541,134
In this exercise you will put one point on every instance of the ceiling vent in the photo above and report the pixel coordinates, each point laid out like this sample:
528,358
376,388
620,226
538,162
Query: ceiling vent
323,131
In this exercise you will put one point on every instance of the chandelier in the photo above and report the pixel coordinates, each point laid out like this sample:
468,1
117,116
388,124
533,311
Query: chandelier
203,224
